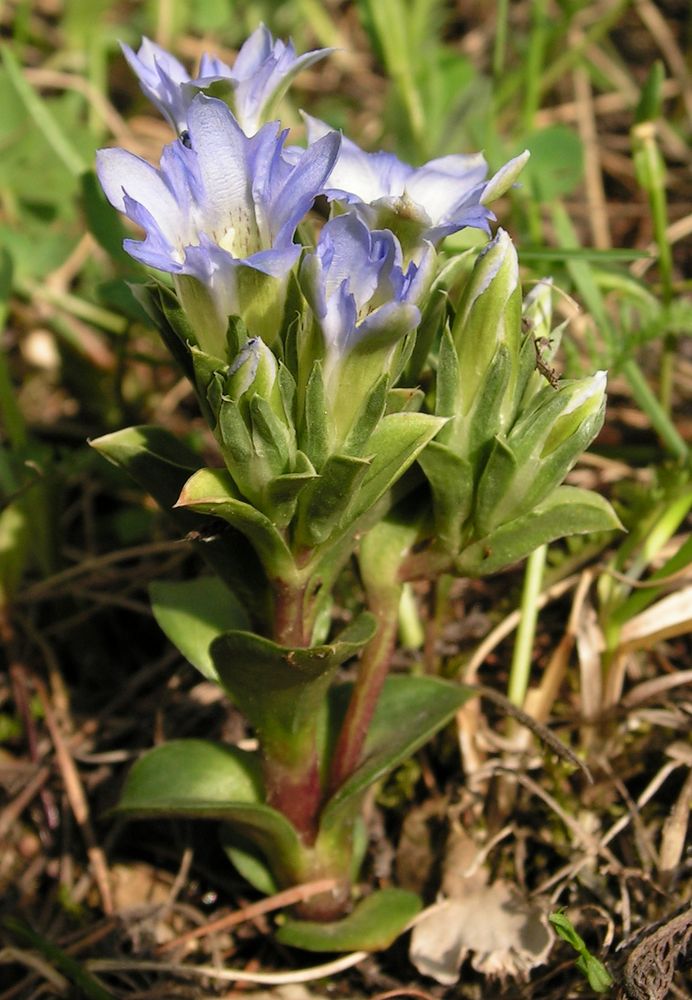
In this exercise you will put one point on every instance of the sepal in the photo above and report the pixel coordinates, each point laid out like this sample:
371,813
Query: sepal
567,511
451,481
541,448
322,507
395,444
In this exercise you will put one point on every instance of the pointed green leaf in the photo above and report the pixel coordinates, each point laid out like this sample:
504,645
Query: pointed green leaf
282,492
567,511
316,420
192,613
154,458
373,925
495,484
323,505
432,321
447,382
236,442
270,437
163,309
451,481
280,690
162,464
409,712
402,400
247,858
192,778
395,444
198,779
211,491
208,378
370,414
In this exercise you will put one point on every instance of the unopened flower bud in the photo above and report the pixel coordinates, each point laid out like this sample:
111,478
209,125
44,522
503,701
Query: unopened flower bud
252,372
541,448
489,318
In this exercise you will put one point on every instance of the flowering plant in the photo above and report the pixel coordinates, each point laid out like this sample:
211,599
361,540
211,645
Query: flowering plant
308,359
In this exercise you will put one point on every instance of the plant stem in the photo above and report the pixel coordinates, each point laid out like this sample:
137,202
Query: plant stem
290,618
660,420
294,789
374,666
534,61
292,778
650,169
500,47
521,657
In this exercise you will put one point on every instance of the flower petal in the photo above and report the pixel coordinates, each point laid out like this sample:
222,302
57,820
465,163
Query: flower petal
161,77
505,177
292,199
123,174
222,151
443,184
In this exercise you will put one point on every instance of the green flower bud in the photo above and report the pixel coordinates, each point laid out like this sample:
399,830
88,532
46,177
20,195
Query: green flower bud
257,434
252,372
541,448
478,379
489,317
585,402
537,312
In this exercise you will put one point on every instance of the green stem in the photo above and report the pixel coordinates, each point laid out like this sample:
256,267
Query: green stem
660,420
293,786
651,173
291,774
12,419
372,672
290,615
523,647
500,47
538,38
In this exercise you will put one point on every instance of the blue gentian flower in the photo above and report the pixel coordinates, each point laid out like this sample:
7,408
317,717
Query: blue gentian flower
357,287
260,76
422,204
365,303
222,211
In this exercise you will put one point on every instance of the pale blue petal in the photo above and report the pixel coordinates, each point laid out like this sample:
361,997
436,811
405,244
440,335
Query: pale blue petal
156,250
161,77
292,198
222,150
212,68
253,52
121,173
339,323
393,321
443,184
345,247
358,175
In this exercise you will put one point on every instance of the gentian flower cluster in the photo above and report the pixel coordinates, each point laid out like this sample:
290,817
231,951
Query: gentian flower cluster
371,400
